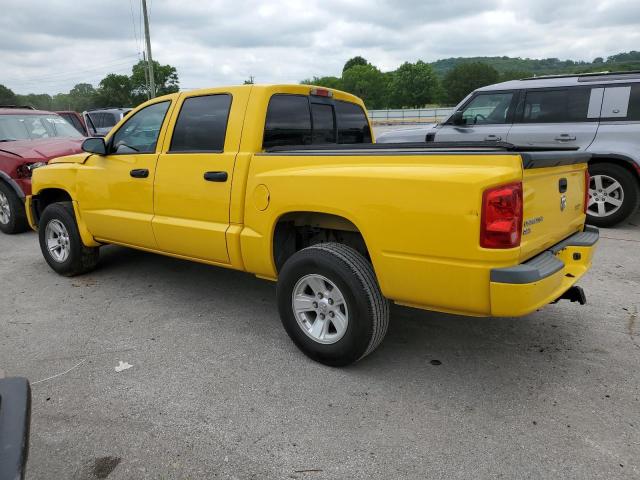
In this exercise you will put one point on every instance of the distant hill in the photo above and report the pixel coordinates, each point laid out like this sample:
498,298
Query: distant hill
545,66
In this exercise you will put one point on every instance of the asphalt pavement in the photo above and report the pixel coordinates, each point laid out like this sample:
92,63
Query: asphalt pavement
210,386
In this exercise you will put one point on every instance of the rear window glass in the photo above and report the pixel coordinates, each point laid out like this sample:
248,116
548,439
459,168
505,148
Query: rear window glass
353,126
202,124
324,127
556,106
295,120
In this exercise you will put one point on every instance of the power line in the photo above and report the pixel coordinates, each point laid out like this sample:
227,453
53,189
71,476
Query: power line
73,74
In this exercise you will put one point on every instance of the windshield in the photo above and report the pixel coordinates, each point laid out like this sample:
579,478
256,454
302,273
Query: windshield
32,127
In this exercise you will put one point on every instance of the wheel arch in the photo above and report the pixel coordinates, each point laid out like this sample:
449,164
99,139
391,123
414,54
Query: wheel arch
617,159
12,184
294,230
46,197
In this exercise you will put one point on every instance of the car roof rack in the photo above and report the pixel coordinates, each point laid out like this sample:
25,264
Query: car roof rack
22,107
592,76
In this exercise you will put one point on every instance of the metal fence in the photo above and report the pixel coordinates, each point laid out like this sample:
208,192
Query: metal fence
409,115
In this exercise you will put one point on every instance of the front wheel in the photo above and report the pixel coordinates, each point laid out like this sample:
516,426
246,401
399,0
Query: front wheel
61,244
331,305
614,194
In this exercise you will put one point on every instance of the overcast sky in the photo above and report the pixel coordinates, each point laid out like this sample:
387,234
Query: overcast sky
50,45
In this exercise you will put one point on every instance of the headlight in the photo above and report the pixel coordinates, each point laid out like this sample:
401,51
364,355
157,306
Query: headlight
25,171
33,166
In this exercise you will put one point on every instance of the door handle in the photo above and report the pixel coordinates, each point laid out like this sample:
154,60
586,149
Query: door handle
492,138
139,173
565,137
216,176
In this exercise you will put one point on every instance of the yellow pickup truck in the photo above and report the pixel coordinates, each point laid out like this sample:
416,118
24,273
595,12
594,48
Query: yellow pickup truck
286,182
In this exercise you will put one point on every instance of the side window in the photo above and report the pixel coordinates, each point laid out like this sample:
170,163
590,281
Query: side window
202,124
324,127
95,119
353,126
139,134
109,119
634,103
288,121
557,106
487,109
617,102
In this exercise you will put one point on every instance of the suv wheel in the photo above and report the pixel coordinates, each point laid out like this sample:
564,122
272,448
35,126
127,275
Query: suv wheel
614,194
13,218
60,241
331,305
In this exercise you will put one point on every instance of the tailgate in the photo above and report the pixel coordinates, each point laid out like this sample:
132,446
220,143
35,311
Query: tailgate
554,188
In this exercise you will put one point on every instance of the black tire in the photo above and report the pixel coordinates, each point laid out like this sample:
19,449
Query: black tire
17,222
80,259
630,187
368,317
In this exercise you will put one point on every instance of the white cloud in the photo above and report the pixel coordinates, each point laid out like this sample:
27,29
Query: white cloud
50,46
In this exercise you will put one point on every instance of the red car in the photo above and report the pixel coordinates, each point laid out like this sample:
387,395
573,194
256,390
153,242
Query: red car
28,140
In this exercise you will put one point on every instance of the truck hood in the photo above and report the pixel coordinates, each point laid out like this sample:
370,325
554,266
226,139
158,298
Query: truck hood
43,149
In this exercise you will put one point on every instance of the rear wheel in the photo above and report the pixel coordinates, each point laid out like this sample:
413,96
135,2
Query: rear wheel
614,194
61,244
13,218
331,305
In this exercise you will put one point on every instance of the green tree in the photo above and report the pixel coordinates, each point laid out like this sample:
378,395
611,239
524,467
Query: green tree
114,91
368,83
329,82
7,97
165,76
353,62
413,85
41,101
466,77
81,97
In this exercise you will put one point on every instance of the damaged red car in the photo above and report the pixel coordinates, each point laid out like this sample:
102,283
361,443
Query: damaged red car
28,139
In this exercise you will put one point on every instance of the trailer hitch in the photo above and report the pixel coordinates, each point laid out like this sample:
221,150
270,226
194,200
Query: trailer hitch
574,294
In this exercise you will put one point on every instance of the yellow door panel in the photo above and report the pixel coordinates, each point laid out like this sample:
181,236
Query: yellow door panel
194,175
115,191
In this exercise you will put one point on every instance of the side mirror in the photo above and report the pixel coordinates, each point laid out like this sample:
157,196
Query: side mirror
95,145
456,118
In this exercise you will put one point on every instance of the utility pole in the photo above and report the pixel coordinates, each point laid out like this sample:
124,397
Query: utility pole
152,83
146,75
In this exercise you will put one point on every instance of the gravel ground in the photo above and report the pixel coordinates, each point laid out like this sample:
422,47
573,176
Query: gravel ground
217,390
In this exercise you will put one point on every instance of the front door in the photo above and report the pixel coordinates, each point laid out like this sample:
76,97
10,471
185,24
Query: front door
194,176
115,191
565,117
486,117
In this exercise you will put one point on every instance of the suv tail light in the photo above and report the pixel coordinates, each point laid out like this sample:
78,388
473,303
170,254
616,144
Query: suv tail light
587,182
501,220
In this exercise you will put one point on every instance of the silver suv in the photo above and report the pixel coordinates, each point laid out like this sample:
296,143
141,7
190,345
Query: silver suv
597,113
100,121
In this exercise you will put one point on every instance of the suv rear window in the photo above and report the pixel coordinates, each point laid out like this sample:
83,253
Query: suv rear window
202,124
556,106
299,120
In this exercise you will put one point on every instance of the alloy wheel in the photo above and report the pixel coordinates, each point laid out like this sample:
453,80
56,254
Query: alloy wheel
605,196
320,309
57,238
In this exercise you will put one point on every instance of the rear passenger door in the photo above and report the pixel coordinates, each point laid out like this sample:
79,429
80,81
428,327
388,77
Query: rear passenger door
557,117
193,176
487,116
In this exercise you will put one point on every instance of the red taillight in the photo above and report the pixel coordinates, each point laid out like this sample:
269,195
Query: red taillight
587,181
501,221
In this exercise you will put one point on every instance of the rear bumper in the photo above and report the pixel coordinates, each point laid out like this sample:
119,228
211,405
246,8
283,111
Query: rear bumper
520,290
